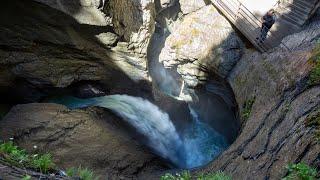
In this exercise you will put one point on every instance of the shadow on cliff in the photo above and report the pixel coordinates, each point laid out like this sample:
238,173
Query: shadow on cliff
44,34
215,103
42,31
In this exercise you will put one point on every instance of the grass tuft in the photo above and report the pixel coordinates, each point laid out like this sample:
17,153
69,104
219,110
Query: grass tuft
314,121
300,171
18,157
187,176
82,173
43,162
247,107
214,176
26,177
314,77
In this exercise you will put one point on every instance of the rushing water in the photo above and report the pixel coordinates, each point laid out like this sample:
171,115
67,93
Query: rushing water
195,146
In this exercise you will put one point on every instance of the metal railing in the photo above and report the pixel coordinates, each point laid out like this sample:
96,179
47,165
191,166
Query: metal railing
248,23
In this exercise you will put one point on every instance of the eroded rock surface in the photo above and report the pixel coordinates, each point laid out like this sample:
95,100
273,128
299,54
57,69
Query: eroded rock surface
48,48
203,42
133,21
91,138
276,132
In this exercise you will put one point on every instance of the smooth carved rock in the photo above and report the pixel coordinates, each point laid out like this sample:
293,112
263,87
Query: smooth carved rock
204,41
91,138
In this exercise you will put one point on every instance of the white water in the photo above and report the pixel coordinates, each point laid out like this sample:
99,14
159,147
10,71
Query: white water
195,146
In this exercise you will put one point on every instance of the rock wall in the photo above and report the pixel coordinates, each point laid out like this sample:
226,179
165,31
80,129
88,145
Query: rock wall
276,132
133,21
56,50
202,43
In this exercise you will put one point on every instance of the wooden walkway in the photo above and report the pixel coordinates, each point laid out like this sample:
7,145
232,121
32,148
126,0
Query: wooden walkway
291,16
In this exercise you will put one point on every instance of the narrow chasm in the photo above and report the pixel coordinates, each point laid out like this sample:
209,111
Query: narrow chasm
178,127
187,127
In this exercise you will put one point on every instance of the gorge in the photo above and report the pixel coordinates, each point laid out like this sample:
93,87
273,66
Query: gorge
134,89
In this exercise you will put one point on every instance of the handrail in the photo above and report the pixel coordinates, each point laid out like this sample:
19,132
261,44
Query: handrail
264,47
248,18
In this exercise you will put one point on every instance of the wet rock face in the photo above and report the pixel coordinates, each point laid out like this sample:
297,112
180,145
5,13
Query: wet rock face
92,138
276,132
204,41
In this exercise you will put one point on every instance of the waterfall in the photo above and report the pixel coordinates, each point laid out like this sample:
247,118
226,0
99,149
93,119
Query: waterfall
195,146
201,142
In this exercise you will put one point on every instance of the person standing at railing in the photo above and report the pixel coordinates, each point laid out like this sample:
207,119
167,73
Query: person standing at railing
267,21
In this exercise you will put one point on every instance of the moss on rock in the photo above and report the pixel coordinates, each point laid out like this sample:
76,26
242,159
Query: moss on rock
314,121
314,77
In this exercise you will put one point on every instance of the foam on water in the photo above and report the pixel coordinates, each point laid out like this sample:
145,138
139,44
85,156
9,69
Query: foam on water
195,146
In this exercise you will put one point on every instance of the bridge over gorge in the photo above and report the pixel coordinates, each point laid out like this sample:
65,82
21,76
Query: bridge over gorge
246,16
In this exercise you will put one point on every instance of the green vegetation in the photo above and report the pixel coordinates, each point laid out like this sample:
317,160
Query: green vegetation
247,107
16,156
300,171
26,177
187,176
314,121
214,176
3,110
82,173
314,77
43,162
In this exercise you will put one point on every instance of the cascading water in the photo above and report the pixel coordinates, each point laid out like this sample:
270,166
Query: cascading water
195,146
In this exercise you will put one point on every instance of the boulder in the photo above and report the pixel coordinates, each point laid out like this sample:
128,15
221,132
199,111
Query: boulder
92,138
203,42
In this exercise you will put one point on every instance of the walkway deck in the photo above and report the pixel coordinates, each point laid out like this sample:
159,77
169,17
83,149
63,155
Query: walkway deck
291,16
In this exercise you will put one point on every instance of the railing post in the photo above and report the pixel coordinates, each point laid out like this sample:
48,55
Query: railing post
239,10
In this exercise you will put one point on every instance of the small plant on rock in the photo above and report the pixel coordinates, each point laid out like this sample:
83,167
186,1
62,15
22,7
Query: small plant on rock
314,77
43,162
82,173
314,121
247,107
300,171
26,177
214,176
187,176
19,157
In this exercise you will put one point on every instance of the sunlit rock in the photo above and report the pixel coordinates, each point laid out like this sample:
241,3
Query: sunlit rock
204,41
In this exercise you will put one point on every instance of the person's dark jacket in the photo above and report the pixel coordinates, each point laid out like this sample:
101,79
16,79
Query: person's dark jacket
269,20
